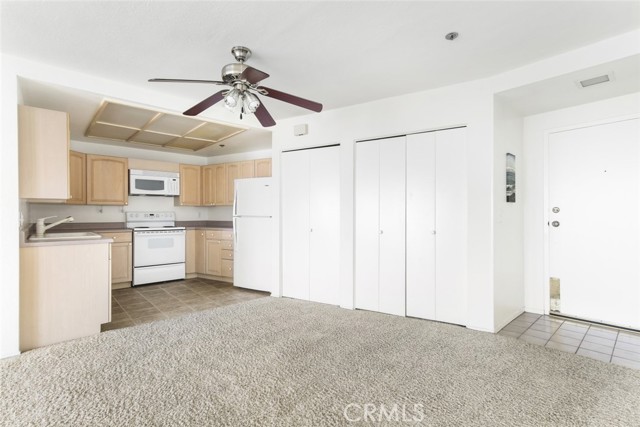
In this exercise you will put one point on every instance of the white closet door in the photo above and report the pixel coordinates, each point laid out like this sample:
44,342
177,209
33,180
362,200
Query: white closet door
392,226
295,224
324,209
367,202
451,226
421,211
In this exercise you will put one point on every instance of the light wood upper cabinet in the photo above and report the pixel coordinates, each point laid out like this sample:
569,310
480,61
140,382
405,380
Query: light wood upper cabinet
121,257
77,178
190,185
43,154
209,185
238,170
107,180
247,169
262,168
221,184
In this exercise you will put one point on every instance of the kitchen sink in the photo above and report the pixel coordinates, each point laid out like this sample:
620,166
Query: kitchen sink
79,235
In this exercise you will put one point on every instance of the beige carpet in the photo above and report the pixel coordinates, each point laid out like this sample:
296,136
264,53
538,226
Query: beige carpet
291,363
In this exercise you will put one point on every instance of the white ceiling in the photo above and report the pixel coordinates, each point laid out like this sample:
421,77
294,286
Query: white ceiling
337,53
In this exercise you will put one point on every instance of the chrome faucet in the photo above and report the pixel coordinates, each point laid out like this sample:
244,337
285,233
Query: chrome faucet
41,228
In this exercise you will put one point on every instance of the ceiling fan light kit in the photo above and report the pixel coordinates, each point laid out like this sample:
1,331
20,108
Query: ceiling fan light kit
243,80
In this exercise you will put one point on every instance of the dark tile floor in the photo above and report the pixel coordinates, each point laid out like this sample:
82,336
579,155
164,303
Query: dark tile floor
147,303
598,342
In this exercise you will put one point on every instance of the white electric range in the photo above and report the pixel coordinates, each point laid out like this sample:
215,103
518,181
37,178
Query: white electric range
158,247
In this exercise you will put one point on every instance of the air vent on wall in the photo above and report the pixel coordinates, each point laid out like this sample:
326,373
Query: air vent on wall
595,80
142,126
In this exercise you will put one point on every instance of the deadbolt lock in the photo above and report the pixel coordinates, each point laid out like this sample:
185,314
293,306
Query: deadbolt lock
556,210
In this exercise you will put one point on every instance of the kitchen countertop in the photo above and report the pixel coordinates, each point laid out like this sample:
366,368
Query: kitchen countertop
107,227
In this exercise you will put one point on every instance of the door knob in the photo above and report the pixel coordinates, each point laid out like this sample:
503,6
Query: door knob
556,223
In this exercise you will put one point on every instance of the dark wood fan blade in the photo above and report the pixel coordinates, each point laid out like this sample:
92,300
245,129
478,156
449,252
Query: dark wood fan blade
253,75
264,117
203,105
215,82
291,99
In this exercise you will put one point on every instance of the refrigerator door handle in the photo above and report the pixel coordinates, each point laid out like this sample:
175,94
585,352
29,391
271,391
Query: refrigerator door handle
235,201
235,235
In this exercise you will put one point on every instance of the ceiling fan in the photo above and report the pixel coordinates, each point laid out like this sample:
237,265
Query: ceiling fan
243,80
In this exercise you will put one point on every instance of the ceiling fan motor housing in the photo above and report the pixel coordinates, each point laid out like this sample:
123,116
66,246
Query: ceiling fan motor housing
233,72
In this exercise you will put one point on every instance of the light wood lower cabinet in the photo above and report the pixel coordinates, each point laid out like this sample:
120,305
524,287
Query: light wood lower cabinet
65,292
190,253
121,259
213,257
209,253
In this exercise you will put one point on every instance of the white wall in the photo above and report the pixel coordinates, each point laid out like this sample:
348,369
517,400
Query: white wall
9,211
535,192
465,104
468,103
508,231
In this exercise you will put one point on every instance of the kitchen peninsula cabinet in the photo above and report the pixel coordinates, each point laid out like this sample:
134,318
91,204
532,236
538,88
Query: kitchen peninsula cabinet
190,185
77,178
107,180
65,292
43,154
121,259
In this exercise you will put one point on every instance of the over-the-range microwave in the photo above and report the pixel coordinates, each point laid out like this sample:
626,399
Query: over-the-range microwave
153,183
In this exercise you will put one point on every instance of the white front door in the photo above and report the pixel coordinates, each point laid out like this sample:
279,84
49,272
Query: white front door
594,241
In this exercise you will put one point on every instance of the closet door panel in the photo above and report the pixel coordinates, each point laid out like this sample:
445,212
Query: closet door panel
367,202
295,224
451,226
421,218
392,226
324,210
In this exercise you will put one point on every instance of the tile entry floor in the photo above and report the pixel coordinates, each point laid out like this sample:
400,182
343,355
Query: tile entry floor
598,342
142,304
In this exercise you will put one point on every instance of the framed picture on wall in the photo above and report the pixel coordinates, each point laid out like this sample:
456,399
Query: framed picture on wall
511,178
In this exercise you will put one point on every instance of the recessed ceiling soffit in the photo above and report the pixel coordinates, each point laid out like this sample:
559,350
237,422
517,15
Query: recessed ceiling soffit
142,126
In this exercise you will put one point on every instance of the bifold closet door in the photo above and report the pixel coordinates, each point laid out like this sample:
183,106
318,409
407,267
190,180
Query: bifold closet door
421,225
437,226
380,226
392,226
310,194
324,225
295,224
367,226
451,226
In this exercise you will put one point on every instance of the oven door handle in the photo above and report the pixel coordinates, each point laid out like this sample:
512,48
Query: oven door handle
158,233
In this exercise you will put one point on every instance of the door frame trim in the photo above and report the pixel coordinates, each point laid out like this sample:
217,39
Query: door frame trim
546,205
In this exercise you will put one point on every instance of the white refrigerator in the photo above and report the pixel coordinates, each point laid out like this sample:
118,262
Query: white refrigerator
252,231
